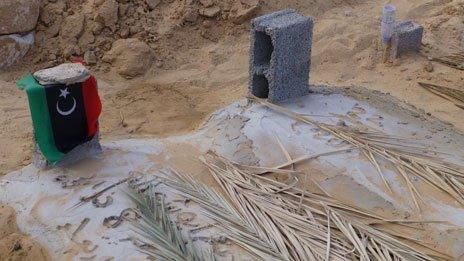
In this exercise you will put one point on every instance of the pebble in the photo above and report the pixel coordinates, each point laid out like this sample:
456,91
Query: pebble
428,67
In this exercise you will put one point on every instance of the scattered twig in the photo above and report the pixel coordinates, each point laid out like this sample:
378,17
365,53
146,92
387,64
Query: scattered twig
84,222
99,193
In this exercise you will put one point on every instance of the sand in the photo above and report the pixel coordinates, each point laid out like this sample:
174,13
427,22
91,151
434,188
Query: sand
200,68
15,246
192,83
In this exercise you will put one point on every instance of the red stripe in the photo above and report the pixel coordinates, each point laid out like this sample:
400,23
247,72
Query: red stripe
92,105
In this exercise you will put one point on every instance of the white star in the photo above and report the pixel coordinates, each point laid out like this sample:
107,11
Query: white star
64,93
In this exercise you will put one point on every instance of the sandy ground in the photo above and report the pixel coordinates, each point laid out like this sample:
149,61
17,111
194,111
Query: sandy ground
14,245
193,82
174,100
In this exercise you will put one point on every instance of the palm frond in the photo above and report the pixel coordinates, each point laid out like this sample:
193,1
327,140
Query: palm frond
319,227
408,159
452,95
164,240
455,60
231,221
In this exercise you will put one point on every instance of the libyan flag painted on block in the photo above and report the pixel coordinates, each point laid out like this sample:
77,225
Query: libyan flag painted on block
63,116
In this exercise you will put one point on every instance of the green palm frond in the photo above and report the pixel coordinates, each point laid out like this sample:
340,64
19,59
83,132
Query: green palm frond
164,240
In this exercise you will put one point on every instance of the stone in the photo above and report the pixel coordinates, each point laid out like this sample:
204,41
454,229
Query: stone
152,4
73,26
130,57
191,15
18,16
210,12
428,67
13,47
66,73
107,14
280,55
207,3
407,37
90,58
242,11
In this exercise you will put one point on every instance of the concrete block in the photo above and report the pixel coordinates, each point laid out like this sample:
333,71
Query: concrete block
280,55
407,37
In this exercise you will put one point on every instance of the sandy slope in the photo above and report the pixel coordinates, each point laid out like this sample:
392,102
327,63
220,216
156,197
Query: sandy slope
195,81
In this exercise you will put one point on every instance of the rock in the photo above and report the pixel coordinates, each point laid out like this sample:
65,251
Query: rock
86,39
13,47
73,26
18,16
130,57
107,14
124,33
191,16
428,67
90,58
97,28
207,3
66,73
99,2
244,10
210,12
152,3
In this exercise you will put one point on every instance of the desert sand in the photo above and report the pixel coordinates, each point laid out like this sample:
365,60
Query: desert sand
200,63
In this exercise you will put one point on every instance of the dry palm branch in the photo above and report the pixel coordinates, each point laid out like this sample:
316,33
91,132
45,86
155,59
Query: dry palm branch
165,241
241,230
453,95
405,157
301,225
455,60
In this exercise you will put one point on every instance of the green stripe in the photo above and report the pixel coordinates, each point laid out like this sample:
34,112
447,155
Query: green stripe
40,118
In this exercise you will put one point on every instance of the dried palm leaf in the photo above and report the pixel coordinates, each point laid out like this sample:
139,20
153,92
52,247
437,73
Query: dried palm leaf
325,227
452,95
455,60
164,240
410,159
230,219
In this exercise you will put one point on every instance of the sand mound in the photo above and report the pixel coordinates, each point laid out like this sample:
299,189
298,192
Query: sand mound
246,133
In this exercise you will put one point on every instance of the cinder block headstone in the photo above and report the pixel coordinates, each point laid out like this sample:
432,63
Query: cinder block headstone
280,55
407,37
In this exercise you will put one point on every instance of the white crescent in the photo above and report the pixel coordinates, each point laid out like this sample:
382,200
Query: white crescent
65,113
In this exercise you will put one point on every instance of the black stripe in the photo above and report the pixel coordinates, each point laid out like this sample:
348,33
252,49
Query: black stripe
70,130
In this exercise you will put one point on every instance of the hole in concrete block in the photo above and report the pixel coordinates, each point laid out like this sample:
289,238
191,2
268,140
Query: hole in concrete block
260,86
263,49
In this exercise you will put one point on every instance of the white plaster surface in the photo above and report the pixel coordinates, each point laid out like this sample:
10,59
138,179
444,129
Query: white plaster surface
243,132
